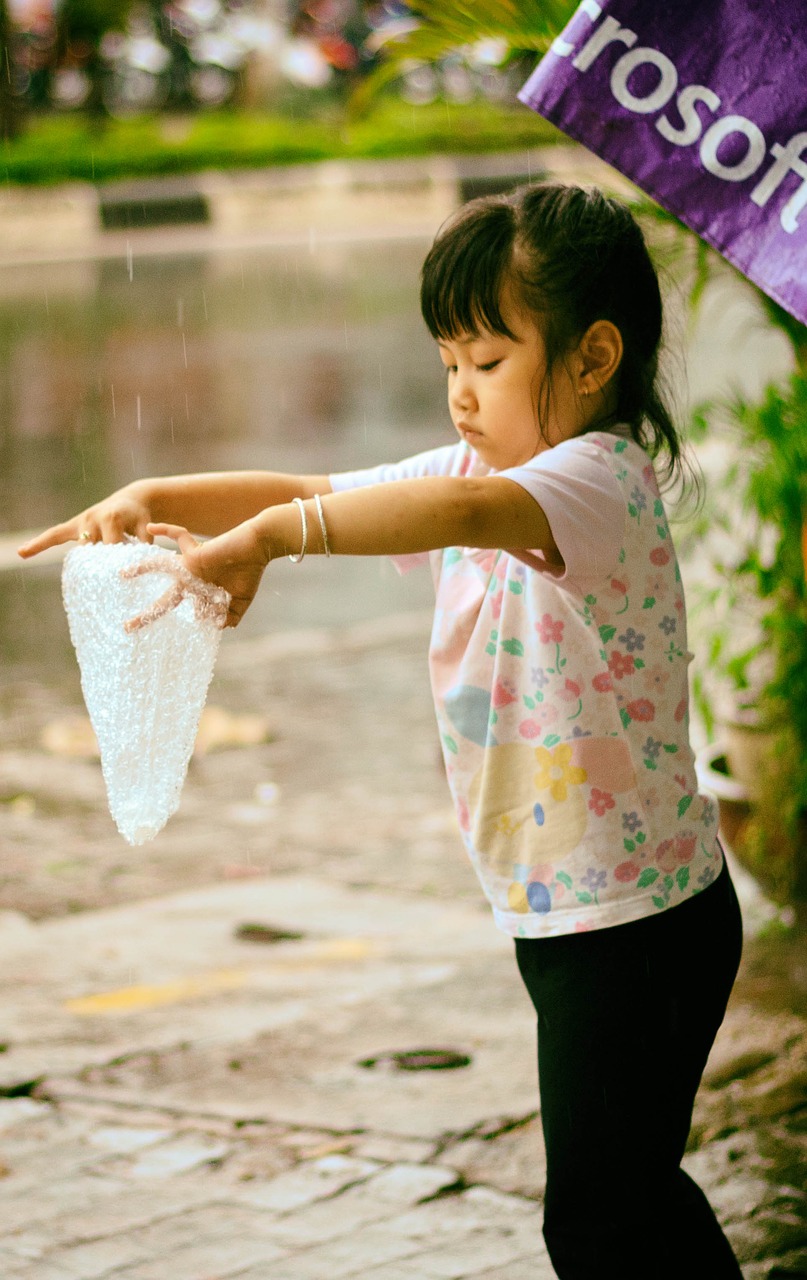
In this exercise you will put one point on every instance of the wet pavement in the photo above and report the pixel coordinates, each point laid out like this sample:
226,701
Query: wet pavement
182,1095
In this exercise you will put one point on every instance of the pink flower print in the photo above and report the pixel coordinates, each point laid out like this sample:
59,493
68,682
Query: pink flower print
660,555
678,604
542,718
627,871
649,475
675,853
655,679
602,682
549,631
654,586
496,604
463,815
581,927
530,729
641,709
651,798
504,692
681,780
571,690
620,664
665,855
680,711
619,586
600,802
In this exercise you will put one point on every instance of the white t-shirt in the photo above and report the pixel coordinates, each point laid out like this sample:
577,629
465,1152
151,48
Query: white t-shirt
561,695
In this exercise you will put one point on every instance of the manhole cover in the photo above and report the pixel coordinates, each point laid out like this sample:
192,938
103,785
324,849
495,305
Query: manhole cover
418,1060
265,933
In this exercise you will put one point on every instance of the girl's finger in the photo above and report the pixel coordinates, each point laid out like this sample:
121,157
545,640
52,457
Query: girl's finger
178,532
112,529
143,533
50,538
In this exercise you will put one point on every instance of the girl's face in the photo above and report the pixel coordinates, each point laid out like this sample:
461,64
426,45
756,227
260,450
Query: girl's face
493,386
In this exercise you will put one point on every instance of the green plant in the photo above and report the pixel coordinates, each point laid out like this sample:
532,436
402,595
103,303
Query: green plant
63,148
757,598
438,29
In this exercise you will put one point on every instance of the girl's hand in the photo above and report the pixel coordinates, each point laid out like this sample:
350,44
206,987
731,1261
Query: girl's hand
125,511
235,561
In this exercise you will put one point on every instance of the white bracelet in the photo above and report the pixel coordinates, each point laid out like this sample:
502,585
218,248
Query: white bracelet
298,502
318,501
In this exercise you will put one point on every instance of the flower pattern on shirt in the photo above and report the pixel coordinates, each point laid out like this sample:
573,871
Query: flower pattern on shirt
563,708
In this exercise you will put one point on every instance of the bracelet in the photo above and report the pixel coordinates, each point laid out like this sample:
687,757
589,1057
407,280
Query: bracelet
298,502
318,501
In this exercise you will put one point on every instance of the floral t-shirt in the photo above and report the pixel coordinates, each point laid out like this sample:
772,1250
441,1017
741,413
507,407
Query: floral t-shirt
562,696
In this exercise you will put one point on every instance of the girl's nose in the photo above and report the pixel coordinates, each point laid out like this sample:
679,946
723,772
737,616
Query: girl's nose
461,395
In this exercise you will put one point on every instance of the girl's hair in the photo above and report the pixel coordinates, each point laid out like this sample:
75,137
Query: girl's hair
574,256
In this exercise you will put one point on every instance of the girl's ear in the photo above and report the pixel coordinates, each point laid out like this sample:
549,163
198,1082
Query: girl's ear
599,356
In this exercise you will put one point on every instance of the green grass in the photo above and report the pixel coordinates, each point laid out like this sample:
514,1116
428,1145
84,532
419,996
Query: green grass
64,148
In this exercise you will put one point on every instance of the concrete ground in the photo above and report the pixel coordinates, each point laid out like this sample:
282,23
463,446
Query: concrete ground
198,1074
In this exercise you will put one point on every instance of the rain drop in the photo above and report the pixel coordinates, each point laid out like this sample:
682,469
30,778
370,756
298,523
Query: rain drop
180,312
130,260
139,420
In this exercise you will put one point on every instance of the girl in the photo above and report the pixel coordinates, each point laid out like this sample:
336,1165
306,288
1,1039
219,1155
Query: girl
559,671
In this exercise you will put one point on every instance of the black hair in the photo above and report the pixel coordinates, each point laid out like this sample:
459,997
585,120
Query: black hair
574,256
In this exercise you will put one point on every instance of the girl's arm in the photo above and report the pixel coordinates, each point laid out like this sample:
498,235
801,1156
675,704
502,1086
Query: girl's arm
406,516
209,503
213,502
397,518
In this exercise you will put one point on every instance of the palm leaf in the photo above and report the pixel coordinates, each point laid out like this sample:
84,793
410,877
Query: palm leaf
439,29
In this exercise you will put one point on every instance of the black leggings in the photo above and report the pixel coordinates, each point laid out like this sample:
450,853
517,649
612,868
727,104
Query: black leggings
626,1018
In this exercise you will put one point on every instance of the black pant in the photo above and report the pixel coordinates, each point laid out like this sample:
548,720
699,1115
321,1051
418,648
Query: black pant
626,1018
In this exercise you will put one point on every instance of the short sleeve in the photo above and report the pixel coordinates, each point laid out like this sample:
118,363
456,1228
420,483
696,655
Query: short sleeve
451,460
583,502
448,461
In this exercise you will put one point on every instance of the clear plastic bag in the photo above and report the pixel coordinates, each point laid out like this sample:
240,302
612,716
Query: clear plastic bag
144,688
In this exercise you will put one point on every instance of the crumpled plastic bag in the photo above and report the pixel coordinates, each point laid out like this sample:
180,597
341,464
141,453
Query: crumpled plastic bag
144,688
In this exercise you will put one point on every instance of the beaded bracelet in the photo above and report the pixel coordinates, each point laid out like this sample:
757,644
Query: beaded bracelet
298,502
318,501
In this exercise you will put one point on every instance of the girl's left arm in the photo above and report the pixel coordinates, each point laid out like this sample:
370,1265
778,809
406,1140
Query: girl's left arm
407,516
397,518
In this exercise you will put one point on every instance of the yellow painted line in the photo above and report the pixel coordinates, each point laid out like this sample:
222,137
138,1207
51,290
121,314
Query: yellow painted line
147,997
130,999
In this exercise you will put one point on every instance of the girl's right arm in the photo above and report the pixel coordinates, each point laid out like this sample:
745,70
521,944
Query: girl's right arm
208,503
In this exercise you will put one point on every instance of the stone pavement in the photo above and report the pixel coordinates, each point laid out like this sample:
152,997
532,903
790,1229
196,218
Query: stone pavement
197,1073
184,1100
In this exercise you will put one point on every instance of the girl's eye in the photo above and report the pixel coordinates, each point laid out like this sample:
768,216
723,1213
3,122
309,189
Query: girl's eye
486,368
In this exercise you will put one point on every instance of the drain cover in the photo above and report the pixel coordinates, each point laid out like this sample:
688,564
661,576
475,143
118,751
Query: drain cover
418,1060
265,933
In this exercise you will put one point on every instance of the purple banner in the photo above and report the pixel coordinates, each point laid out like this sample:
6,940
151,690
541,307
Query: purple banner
703,104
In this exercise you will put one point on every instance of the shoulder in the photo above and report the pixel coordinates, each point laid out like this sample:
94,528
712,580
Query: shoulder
448,460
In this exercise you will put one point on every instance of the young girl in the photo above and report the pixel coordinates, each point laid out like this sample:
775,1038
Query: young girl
559,671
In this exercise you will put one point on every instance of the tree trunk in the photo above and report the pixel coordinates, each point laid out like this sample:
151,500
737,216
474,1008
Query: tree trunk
9,111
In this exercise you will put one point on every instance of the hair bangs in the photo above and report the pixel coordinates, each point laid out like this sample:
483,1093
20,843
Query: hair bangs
464,271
